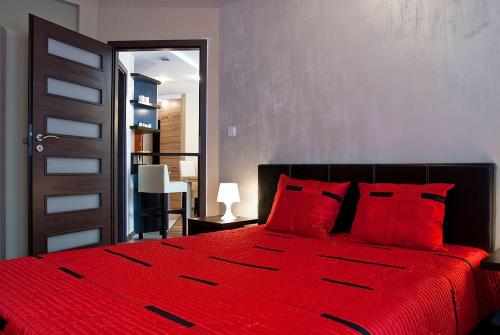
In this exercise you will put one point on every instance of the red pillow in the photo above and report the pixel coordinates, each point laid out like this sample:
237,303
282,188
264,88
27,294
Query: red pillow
306,207
401,214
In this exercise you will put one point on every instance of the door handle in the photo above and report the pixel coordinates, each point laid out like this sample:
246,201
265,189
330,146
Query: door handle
41,137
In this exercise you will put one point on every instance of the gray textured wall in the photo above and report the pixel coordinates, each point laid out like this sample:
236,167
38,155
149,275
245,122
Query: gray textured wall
357,81
14,18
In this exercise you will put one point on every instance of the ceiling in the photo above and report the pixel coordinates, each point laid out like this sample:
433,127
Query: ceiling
181,65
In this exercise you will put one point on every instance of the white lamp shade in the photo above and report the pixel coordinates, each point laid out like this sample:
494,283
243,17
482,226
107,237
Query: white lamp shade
187,169
228,193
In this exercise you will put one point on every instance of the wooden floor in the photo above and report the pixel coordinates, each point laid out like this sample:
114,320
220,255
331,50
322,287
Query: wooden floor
174,231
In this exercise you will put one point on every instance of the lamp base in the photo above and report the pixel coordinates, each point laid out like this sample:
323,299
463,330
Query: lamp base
228,215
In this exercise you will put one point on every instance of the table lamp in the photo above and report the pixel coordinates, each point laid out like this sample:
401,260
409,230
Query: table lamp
228,194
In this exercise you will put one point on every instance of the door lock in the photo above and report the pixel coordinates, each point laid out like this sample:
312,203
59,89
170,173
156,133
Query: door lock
41,137
39,148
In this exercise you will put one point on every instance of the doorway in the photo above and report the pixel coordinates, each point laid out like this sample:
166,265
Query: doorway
172,131
78,162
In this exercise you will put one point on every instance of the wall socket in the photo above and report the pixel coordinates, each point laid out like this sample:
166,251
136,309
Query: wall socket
231,131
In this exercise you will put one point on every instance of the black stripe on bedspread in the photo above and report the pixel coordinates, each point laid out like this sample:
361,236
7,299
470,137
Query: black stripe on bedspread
347,283
127,257
203,281
71,272
243,264
3,323
363,262
381,194
373,246
454,301
268,249
276,235
349,324
173,245
170,316
475,279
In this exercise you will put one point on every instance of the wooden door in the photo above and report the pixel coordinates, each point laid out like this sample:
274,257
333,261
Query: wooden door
170,120
70,139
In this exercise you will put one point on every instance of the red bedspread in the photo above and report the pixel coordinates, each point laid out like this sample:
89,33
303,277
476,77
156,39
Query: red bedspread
247,281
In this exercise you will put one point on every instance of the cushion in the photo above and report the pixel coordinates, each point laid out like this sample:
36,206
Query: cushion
401,214
306,207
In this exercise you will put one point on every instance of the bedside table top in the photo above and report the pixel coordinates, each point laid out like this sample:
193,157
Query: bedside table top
492,262
217,219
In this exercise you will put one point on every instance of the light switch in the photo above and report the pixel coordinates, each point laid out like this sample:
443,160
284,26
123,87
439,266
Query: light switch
231,131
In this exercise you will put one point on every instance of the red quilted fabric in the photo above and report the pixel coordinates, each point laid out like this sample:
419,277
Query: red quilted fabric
306,207
248,281
401,214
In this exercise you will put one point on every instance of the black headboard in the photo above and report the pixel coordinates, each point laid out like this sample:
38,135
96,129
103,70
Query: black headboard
470,204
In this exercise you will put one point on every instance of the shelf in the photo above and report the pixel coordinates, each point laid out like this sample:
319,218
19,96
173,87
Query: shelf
138,76
145,130
144,105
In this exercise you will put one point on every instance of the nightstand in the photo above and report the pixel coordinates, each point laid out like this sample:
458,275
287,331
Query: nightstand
492,263
209,224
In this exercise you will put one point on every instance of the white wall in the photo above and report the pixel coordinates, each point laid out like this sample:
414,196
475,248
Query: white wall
14,13
16,153
88,16
357,82
14,17
174,19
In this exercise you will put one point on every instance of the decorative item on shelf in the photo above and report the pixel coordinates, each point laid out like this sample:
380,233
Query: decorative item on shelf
143,99
145,125
228,194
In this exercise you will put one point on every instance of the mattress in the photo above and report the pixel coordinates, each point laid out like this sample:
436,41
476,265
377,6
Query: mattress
247,281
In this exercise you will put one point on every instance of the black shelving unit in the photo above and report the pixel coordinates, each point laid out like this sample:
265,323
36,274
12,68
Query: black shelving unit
145,112
145,130
144,104
138,76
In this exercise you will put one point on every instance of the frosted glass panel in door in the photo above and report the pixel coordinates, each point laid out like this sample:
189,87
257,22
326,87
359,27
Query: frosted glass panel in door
74,54
73,91
73,240
73,128
69,203
63,165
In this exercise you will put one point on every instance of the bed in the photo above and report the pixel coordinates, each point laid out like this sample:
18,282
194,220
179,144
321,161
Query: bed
254,281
